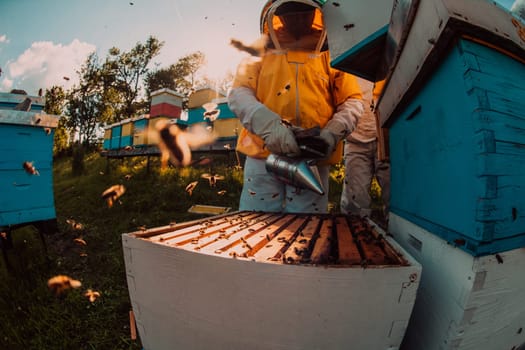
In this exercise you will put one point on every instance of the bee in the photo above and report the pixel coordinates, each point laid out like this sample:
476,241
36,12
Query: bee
113,193
75,225
212,178
284,90
92,295
256,49
30,168
175,144
25,105
80,241
210,111
60,283
191,186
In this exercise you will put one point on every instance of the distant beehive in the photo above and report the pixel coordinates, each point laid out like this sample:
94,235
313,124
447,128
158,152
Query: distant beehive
128,132
9,101
166,103
202,96
227,125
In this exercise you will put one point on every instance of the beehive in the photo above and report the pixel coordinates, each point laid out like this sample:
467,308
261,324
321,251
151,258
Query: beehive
253,280
463,302
166,103
454,109
27,137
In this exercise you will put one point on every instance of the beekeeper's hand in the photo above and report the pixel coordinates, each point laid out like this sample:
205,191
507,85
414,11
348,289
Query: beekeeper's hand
277,135
331,134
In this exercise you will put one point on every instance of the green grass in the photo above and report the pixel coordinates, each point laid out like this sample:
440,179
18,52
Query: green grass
32,317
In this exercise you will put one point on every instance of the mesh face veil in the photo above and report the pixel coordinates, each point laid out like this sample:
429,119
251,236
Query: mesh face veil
299,18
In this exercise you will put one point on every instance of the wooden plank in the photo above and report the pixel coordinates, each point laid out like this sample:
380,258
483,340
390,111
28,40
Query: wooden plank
217,244
210,230
321,253
282,238
348,251
239,246
159,231
132,326
184,229
504,126
299,251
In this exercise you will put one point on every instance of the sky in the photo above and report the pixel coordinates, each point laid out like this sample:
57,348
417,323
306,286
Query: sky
43,41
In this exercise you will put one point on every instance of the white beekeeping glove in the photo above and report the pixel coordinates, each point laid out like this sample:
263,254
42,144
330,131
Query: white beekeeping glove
278,136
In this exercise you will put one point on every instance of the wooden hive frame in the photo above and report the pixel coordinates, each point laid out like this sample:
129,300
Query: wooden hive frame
337,240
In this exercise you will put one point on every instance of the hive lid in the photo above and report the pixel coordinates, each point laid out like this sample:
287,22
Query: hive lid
8,116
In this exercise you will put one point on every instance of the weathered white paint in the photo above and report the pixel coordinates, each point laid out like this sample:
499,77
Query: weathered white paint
184,299
464,302
351,23
432,20
9,116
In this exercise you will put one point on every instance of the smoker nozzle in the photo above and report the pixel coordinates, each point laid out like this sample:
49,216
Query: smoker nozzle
295,172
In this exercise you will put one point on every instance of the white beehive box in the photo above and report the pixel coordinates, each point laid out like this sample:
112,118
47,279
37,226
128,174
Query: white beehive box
463,302
251,280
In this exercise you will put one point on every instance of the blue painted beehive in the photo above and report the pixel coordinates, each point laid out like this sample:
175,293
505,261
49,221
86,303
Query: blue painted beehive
458,151
26,172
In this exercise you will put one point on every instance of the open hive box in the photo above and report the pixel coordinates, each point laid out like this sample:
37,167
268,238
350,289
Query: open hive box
253,280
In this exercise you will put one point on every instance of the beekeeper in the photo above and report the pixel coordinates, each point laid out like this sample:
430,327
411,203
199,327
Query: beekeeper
291,85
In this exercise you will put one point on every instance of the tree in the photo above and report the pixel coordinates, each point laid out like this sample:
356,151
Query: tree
160,79
127,71
179,77
222,84
85,103
55,104
187,68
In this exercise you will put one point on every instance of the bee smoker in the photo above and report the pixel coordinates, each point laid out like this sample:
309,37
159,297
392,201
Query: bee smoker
295,172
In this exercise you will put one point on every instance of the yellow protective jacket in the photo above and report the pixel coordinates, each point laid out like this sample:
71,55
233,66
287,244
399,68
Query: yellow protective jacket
293,78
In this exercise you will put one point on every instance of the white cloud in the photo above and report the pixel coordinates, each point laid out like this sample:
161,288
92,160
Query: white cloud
45,64
4,39
6,85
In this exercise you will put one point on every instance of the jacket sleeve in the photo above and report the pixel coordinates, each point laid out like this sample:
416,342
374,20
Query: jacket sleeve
242,99
348,100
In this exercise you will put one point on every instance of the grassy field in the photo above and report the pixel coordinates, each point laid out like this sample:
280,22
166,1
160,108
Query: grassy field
32,317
